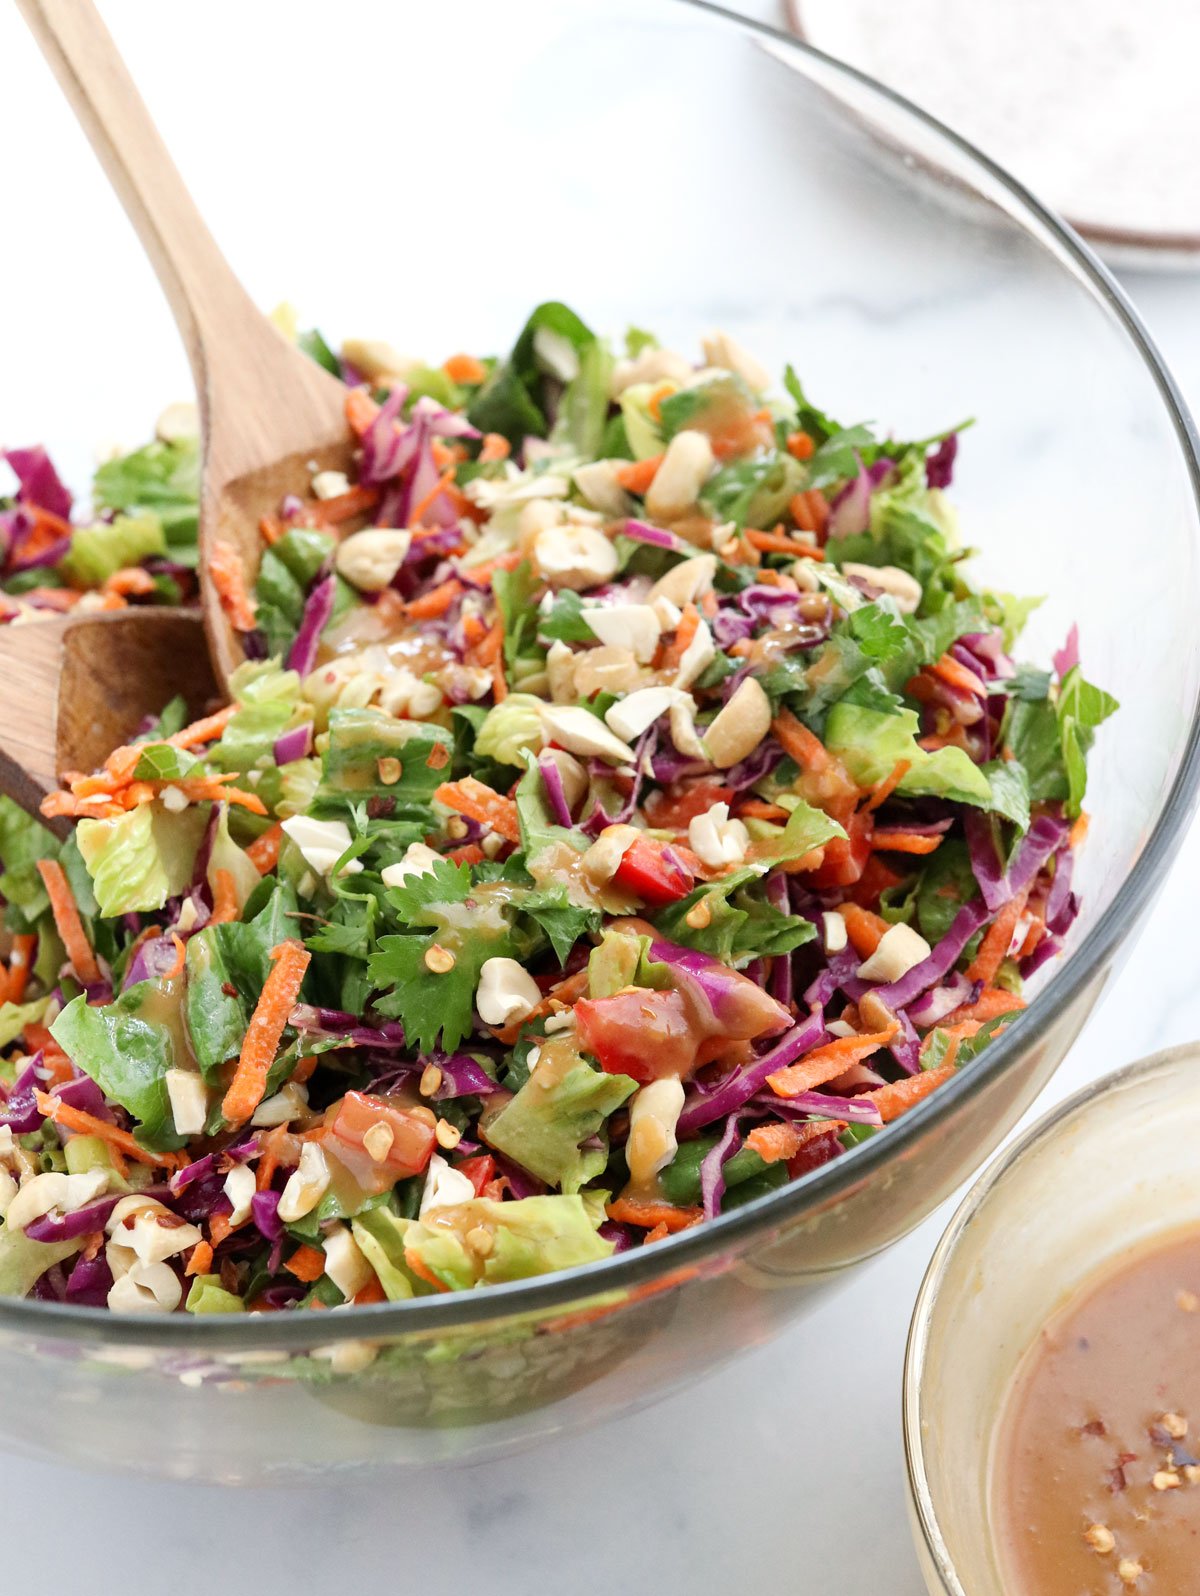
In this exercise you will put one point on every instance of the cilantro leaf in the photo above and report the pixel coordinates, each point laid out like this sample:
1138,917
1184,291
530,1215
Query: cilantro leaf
427,1003
415,897
562,921
564,621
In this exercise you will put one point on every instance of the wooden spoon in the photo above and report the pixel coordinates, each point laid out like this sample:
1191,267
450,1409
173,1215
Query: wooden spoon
266,410
80,686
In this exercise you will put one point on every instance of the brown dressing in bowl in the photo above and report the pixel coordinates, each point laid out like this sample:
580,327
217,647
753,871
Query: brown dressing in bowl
1096,1473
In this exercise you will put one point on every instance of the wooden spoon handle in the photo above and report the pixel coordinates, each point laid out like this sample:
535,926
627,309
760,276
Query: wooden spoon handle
231,346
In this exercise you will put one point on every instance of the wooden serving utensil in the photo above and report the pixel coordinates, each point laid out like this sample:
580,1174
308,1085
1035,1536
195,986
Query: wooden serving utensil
80,686
266,409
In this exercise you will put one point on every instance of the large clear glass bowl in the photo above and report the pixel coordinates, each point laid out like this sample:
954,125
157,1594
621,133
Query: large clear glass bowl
662,163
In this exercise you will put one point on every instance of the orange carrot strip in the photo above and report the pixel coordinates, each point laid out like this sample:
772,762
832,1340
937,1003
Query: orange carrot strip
883,790
443,482
757,809
471,798
991,1003
673,652
361,411
662,391
176,969
130,579
306,1263
371,1292
67,921
801,514
200,1261
994,948
826,1063
19,964
1079,830
864,929
474,632
279,994
263,852
205,730
228,576
422,1272
773,1143
780,543
436,602
897,840
489,645
627,1211
796,740
84,1124
225,898
213,788
894,1099
465,369
800,446
956,674
495,447
499,684
470,853
635,476
344,506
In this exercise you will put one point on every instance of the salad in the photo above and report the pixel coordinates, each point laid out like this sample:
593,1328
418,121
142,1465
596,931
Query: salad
626,805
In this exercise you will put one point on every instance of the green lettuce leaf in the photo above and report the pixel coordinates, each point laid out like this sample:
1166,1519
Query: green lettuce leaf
533,1236
136,861
23,1262
99,551
742,924
127,1047
163,480
542,1126
871,742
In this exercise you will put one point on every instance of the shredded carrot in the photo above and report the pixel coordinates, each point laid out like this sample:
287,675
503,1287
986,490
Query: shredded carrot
499,684
220,1228
635,476
130,579
361,411
883,790
955,674
780,543
270,528
228,576
84,1124
991,1003
490,644
664,390
801,514
758,809
422,1271
19,964
894,839
474,630
894,1099
57,1065
202,788
955,1033
67,921
472,798
800,446
306,1263
200,1260
371,1292
1079,830
673,652
180,959
796,740
994,948
225,898
627,1211
357,500
465,369
436,602
495,447
774,1143
275,1144
205,730
279,993
827,1063
864,929
263,852
443,482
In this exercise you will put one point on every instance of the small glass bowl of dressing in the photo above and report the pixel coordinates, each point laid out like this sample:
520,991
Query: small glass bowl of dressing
1046,1259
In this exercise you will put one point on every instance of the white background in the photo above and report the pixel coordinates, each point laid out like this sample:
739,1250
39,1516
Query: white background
784,1472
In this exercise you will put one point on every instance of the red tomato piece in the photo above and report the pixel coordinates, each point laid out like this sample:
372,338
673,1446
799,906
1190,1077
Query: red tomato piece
639,1033
479,1170
671,810
652,874
375,1162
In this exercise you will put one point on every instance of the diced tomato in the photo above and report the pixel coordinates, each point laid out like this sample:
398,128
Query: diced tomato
652,874
845,860
377,1164
639,1033
876,878
673,808
479,1170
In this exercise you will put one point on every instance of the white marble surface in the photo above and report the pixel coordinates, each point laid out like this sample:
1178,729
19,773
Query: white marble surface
717,1489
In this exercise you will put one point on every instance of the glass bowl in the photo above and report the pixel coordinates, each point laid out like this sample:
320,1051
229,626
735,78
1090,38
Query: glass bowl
663,163
1020,1245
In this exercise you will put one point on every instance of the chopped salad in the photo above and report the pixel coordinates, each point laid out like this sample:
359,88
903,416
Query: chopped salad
627,805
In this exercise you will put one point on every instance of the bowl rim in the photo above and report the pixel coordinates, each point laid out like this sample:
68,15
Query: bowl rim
1055,1121
682,1256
